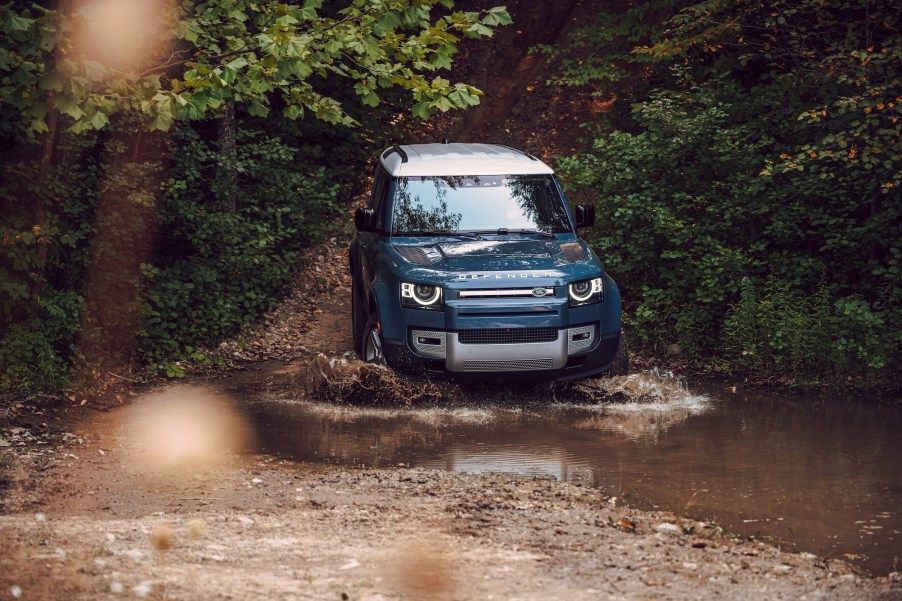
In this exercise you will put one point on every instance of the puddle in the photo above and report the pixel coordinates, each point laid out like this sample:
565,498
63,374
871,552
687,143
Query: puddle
817,475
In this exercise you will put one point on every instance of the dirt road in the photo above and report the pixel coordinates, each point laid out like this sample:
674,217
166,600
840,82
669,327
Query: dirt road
106,518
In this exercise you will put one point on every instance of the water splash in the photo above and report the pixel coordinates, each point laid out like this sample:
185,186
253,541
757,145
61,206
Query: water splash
639,405
650,390
355,390
431,415
347,380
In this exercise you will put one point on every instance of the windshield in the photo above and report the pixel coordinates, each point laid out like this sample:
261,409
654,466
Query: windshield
478,203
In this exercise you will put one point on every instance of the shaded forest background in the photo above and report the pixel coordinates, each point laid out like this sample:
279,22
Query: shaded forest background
743,160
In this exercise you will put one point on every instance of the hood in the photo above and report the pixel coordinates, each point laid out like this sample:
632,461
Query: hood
495,255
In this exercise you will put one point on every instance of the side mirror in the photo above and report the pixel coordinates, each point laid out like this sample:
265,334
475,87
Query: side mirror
585,216
365,220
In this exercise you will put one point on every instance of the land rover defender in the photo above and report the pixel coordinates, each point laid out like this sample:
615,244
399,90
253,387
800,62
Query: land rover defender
467,264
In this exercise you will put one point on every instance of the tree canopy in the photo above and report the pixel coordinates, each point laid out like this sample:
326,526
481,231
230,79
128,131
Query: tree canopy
122,246
182,60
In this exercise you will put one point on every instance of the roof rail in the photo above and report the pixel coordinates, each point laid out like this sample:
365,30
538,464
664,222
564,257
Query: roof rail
523,152
397,149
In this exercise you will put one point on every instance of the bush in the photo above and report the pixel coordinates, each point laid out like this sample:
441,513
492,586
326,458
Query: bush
779,332
222,267
38,333
215,266
35,354
680,209
748,203
694,228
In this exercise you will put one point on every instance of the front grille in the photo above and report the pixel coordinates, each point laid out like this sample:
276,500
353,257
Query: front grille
543,292
507,336
509,365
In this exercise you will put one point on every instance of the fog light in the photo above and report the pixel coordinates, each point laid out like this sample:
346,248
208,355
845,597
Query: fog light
429,343
580,339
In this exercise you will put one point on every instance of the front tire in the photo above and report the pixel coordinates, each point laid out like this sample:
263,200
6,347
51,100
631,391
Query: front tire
371,342
621,364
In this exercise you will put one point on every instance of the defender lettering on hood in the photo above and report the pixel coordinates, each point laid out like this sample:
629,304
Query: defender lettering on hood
467,264
504,276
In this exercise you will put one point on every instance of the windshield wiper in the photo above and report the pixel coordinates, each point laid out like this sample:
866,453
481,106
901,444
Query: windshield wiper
475,236
503,231
542,233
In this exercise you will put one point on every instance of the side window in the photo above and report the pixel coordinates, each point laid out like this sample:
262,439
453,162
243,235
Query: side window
377,202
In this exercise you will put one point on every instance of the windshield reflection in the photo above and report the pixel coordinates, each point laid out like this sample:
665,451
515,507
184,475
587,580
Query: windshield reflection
478,203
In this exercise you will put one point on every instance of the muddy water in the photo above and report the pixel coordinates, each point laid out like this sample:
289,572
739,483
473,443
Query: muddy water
821,476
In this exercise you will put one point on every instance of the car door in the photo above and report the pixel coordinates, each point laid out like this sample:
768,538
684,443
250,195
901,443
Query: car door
370,241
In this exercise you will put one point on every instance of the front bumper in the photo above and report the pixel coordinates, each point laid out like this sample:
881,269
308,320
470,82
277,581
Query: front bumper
503,333
513,349
443,354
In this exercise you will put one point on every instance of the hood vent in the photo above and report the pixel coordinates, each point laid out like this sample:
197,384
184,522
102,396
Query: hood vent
572,252
419,255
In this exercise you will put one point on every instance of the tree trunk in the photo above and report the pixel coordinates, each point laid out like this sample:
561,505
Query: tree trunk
228,171
125,225
39,206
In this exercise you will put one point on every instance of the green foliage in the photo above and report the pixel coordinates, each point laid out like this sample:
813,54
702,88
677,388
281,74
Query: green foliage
35,353
71,188
776,331
80,193
222,267
38,334
580,63
214,269
184,60
756,179
675,224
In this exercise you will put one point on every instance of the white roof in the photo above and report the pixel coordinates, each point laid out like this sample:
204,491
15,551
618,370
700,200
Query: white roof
460,159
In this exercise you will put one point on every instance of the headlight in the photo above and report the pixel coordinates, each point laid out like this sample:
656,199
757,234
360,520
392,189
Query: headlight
586,292
421,296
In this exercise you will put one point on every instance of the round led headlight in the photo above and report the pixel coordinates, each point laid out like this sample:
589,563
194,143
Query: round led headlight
581,291
425,294
585,292
421,296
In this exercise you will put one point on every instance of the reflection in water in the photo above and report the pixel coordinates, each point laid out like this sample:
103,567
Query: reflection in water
820,475
533,462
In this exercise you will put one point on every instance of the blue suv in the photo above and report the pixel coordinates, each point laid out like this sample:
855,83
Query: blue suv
467,263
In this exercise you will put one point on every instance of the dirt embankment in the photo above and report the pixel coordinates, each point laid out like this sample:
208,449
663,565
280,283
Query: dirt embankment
519,107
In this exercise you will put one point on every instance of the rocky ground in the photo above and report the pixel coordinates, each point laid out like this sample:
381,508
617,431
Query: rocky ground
117,510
